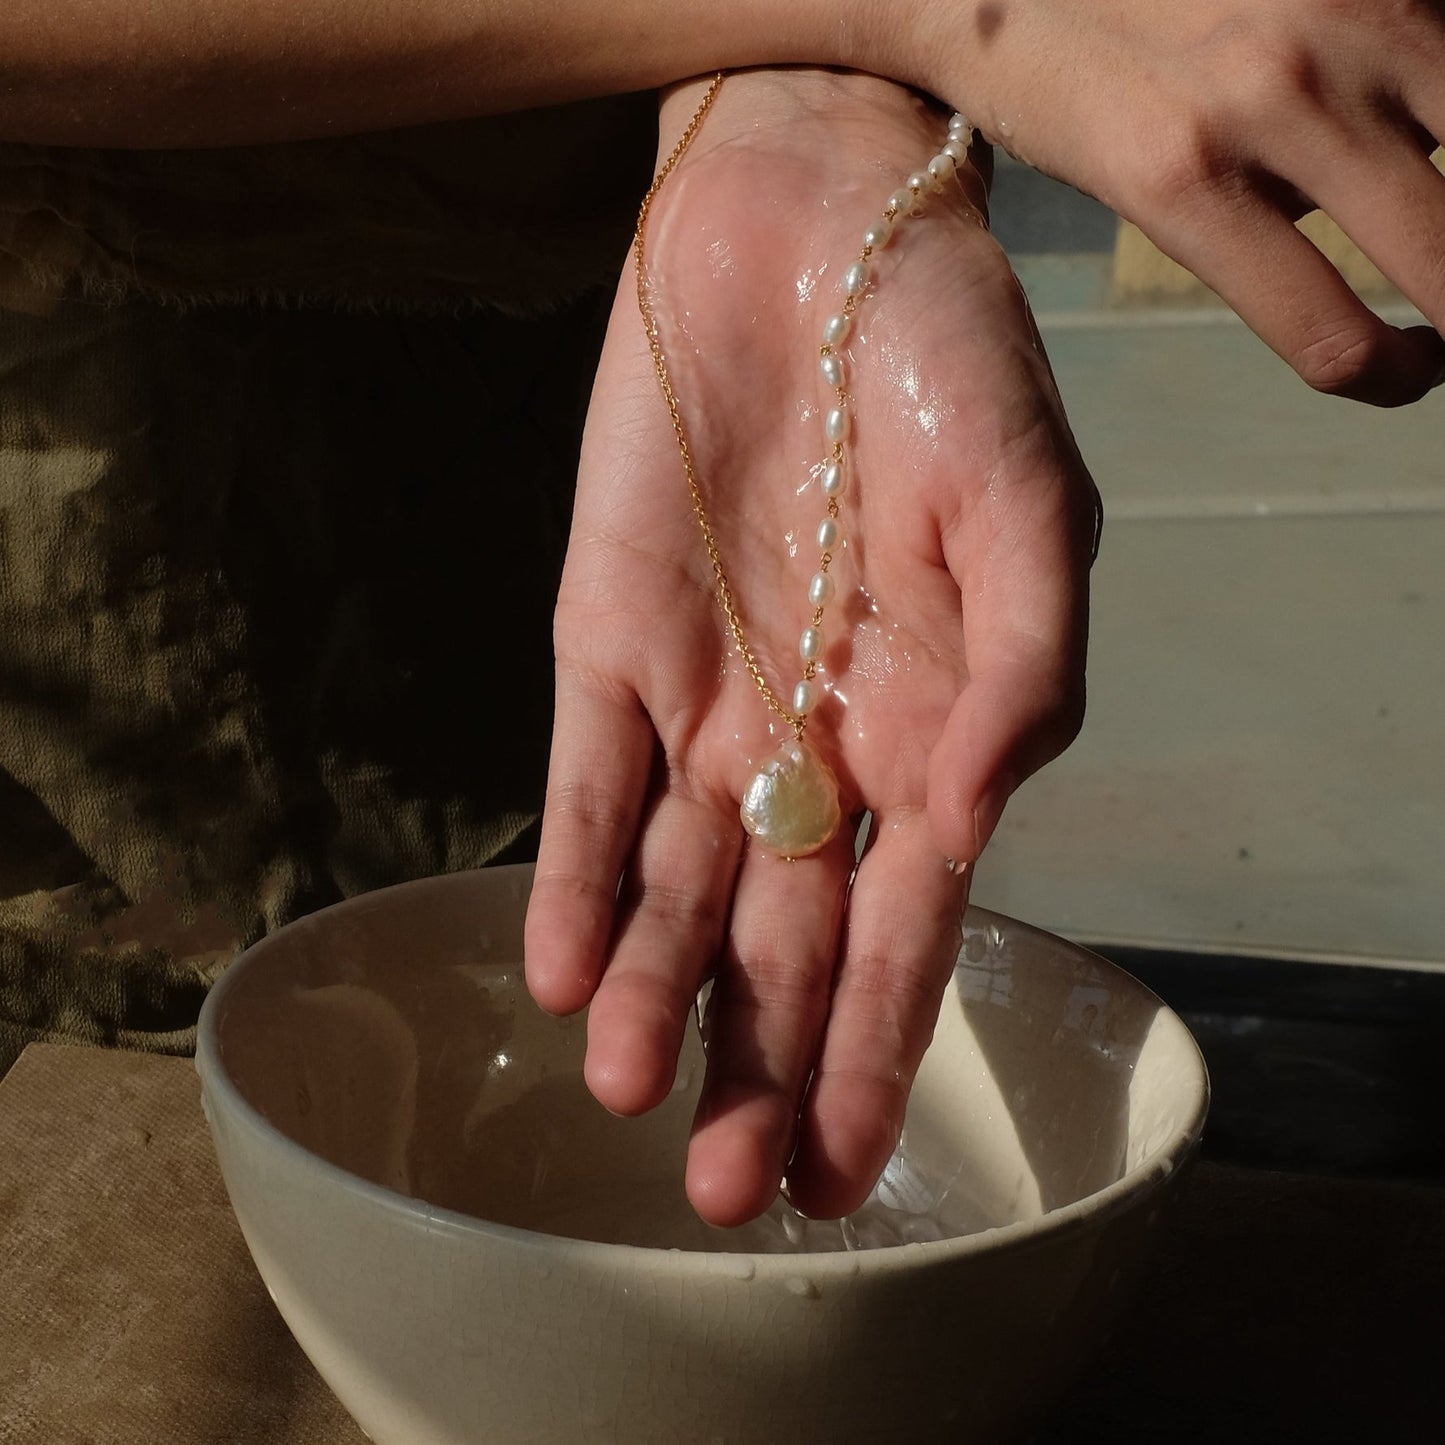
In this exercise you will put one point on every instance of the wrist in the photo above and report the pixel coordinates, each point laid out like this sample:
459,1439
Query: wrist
888,125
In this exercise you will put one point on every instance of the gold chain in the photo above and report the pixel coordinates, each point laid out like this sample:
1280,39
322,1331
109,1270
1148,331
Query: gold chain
724,588
791,806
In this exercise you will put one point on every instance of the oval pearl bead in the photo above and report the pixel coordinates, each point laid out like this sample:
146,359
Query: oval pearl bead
837,424
919,182
830,533
941,166
879,234
856,277
833,480
959,125
831,365
956,150
820,589
805,698
836,329
810,644
904,202
791,804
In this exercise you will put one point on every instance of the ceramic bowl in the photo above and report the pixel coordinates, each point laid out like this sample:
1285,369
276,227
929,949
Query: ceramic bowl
407,1143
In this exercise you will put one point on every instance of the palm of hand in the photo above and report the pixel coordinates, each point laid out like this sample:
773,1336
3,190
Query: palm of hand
954,644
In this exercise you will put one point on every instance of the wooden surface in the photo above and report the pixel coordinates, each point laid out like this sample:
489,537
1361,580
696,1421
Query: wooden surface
1282,1308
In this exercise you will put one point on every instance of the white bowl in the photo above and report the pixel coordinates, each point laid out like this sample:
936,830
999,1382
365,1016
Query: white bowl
397,1123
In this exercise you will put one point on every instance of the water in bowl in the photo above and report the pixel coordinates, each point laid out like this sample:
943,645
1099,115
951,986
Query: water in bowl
906,1206
620,1181
465,1095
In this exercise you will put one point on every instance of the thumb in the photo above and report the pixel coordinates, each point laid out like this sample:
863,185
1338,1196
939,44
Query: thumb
1022,564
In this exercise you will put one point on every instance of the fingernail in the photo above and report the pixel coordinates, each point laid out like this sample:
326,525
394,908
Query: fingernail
987,812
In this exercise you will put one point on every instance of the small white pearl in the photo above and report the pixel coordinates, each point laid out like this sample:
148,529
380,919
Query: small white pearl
820,589
836,329
810,644
830,533
837,424
956,150
959,125
919,182
879,234
831,365
805,698
833,480
904,202
856,277
941,166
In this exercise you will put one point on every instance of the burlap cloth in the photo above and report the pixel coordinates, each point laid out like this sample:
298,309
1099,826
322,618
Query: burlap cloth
287,445
1283,1309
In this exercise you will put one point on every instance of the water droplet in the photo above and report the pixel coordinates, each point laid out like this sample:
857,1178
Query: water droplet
803,1288
735,1266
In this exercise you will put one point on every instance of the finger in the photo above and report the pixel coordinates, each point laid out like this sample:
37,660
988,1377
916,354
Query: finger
1022,567
904,925
765,1019
602,751
674,906
1290,295
1390,201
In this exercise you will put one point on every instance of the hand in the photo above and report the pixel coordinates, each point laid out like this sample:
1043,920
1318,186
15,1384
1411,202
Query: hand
955,652
1213,126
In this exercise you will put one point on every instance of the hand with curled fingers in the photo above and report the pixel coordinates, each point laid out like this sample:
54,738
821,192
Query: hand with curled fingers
1213,126
954,662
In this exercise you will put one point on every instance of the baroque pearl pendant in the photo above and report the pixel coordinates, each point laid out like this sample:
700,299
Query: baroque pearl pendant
791,803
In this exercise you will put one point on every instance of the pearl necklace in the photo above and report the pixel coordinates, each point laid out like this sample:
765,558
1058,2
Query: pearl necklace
791,805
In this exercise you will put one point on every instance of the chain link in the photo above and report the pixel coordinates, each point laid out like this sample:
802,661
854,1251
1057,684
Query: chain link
798,722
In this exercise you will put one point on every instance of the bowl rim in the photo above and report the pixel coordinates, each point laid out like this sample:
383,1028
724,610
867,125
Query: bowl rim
1131,1190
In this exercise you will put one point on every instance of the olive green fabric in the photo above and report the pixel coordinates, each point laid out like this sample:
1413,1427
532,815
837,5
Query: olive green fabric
275,609
514,211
